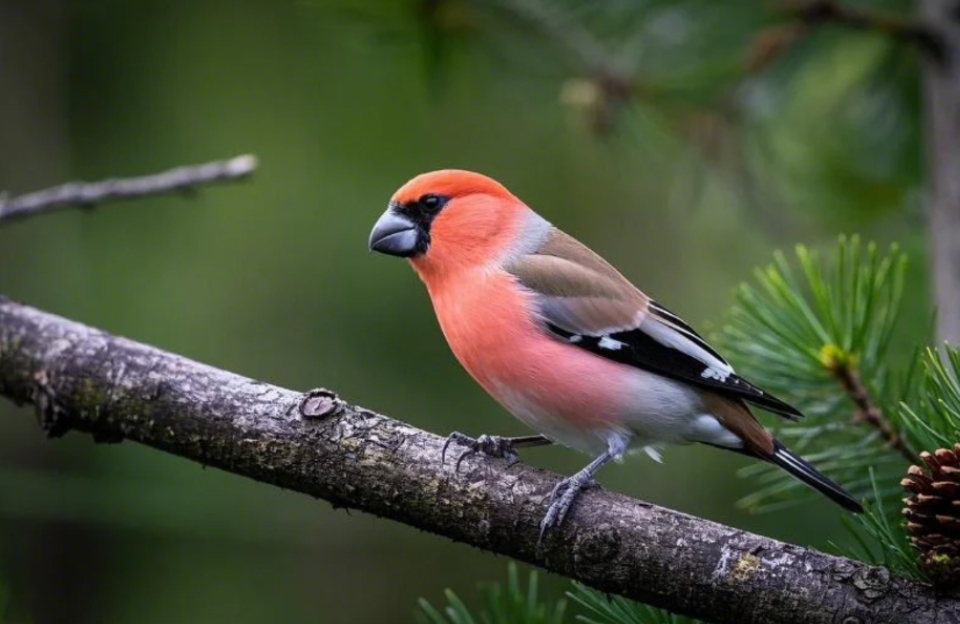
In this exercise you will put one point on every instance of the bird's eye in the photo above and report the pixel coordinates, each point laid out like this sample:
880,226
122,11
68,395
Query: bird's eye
432,202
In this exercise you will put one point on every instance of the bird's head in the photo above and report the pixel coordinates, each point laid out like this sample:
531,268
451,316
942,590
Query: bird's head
449,220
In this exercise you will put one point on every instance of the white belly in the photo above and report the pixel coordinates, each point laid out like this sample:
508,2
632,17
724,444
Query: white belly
656,411
660,409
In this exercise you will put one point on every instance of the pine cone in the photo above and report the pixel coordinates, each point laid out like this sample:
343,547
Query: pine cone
933,514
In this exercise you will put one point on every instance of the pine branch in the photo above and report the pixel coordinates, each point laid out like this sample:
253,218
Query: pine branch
806,16
512,603
821,12
86,195
867,410
82,379
573,39
606,84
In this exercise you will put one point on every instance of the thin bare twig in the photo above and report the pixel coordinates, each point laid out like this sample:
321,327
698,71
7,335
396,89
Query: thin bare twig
86,194
868,412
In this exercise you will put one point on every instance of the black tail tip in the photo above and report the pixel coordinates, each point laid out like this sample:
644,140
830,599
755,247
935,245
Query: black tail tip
848,502
805,472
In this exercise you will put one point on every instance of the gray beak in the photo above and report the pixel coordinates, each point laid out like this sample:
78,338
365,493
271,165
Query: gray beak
394,235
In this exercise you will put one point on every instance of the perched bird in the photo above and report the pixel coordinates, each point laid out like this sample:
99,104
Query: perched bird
566,343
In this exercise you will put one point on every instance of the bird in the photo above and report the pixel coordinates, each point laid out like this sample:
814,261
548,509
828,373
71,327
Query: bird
566,343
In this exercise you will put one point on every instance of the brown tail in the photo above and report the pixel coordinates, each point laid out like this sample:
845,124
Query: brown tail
757,442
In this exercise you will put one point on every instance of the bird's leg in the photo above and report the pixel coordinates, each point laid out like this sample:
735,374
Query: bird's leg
494,446
566,491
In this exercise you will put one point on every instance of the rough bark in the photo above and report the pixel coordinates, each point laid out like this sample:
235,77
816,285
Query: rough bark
942,102
85,380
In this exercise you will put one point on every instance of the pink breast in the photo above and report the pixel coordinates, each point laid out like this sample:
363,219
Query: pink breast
489,327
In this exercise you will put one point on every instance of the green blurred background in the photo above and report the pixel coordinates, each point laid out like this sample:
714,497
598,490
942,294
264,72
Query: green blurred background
342,102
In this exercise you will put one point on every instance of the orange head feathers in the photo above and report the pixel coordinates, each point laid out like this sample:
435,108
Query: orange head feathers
450,183
448,220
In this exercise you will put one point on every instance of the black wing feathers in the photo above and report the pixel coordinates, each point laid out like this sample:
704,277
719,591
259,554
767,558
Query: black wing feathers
691,333
638,348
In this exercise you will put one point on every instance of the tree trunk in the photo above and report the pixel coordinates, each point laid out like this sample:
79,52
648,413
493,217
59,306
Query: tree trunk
942,102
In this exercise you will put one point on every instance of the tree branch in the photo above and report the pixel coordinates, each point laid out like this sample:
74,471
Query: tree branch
79,378
868,412
820,12
608,81
805,16
83,194
83,379
941,117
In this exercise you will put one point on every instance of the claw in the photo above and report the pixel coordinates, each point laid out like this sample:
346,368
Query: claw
463,455
443,451
561,500
492,446
458,438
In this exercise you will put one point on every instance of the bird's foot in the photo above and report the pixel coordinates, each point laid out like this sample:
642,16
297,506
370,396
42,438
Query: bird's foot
561,499
492,446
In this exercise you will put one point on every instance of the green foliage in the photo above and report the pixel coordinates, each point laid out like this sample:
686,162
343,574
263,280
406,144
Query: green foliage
932,419
819,336
513,604
603,609
807,334
745,87
885,542
789,328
